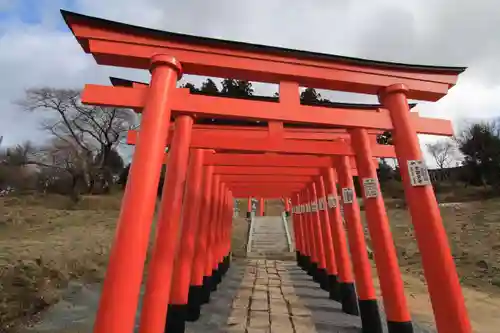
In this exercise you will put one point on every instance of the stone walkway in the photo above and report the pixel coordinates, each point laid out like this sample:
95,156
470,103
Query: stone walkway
276,296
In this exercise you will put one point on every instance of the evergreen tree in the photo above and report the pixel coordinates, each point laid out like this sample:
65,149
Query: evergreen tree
191,87
237,88
310,96
209,86
385,138
480,145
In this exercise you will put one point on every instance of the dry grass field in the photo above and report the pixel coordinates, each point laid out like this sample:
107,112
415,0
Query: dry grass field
46,242
473,230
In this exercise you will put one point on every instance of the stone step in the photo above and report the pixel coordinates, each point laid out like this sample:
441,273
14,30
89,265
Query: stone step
269,239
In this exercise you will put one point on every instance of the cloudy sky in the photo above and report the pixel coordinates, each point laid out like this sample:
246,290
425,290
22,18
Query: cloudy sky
36,48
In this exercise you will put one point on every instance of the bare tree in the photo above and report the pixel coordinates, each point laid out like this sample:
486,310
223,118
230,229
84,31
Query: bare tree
15,171
85,136
444,152
19,155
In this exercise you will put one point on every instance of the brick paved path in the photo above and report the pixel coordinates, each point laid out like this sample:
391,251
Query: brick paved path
272,296
262,296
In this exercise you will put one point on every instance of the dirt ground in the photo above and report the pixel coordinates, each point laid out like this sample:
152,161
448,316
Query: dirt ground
46,242
483,307
240,237
473,230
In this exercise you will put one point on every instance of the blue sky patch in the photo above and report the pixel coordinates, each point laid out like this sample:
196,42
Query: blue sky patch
33,11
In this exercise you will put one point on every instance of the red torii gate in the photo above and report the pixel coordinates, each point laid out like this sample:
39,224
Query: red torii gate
167,55
328,276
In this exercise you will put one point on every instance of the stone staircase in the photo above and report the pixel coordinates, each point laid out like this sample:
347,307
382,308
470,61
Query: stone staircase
269,239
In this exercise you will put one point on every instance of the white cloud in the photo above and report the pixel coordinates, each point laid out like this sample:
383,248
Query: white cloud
442,32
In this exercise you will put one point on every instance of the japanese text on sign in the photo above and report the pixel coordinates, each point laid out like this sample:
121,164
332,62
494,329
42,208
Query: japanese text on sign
308,207
347,195
371,187
418,172
314,206
332,201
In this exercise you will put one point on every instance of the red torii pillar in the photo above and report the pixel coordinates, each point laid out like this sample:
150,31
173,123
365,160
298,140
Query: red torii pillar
368,306
156,296
287,206
321,274
224,212
332,278
128,252
179,295
297,228
199,293
249,207
348,295
439,269
211,269
391,283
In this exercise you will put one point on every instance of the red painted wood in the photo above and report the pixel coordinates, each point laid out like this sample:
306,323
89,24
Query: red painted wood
118,45
184,102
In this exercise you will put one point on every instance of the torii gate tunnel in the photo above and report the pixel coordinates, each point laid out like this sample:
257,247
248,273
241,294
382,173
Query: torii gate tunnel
306,153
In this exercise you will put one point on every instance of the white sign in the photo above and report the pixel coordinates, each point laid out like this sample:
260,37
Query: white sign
321,203
418,172
347,195
371,187
332,201
314,206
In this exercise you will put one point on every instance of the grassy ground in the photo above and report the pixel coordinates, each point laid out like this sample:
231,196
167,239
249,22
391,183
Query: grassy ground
239,237
44,243
473,229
